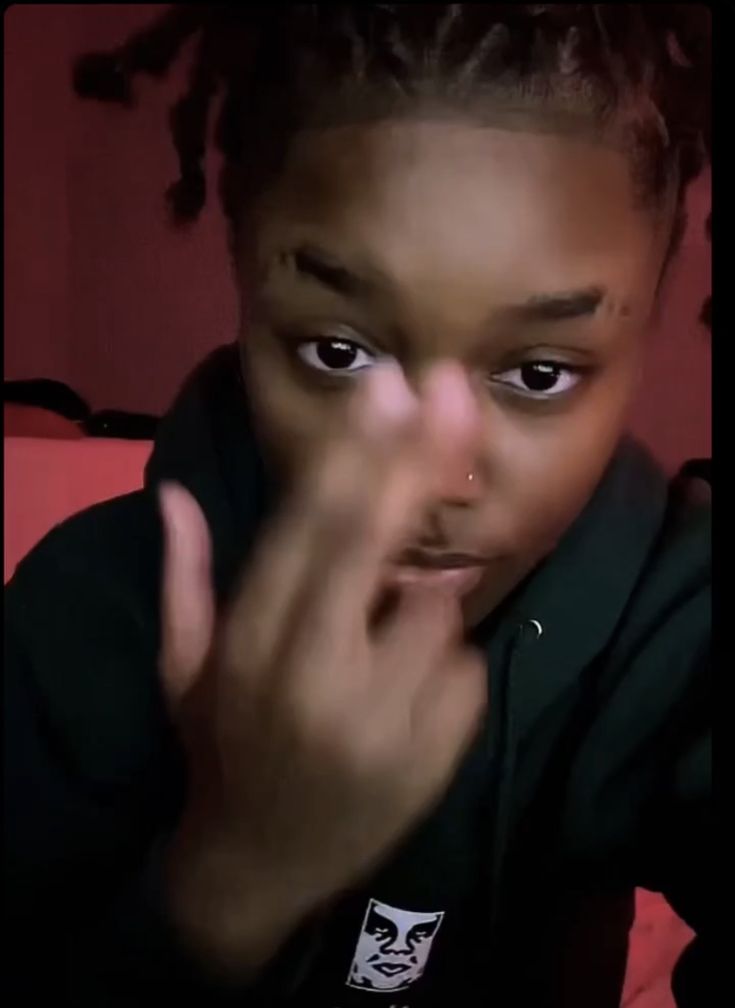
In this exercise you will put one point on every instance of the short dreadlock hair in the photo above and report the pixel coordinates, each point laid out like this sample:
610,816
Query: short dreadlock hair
642,69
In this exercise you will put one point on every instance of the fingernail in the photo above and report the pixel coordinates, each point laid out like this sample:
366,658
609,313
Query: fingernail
449,395
387,397
168,492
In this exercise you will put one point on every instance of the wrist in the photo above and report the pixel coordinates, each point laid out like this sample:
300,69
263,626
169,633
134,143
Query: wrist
233,911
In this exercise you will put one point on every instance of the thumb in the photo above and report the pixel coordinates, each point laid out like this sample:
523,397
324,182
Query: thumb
187,604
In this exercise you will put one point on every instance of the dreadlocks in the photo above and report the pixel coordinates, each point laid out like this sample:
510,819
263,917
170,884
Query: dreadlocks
641,69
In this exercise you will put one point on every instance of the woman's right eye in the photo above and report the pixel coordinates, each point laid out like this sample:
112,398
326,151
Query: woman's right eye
336,355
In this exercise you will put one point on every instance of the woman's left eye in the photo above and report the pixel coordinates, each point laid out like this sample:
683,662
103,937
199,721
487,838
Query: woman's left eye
540,379
335,355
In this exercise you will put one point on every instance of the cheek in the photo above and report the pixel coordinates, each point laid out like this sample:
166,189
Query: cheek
292,422
543,470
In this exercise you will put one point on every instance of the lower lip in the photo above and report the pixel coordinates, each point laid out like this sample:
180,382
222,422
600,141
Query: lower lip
390,971
459,580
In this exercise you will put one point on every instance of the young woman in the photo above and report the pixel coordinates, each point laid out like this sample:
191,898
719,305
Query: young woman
408,689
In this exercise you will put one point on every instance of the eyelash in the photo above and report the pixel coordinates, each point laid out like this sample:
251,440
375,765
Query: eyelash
575,373
304,346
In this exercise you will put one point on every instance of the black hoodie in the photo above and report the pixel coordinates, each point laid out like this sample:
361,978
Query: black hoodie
590,777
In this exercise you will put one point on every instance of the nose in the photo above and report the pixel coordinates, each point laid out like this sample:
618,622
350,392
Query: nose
459,482
399,946
447,392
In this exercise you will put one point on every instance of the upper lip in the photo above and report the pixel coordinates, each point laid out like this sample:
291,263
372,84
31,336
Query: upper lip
439,561
386,967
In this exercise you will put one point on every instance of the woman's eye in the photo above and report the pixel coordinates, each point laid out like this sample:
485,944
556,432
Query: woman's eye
336,355
540,379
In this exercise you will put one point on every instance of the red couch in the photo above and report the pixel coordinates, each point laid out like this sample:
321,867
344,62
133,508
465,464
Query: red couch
34,421
49,479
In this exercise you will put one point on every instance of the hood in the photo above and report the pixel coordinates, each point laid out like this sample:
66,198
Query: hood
207,443
540,639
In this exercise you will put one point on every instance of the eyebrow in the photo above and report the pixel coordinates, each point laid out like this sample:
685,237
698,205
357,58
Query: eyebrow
316,264
557,307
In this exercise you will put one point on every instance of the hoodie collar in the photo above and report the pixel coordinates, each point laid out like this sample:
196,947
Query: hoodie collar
577,597
207,443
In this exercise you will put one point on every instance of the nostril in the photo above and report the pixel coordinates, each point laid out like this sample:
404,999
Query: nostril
459,483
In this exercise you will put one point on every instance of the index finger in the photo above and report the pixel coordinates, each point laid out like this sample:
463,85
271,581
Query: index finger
403,471
322,509
315,572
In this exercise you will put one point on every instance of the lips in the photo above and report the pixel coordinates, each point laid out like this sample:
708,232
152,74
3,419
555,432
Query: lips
390,969
412,557
450,571
458,580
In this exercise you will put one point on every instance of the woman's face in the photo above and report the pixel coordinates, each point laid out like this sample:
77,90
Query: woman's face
522,255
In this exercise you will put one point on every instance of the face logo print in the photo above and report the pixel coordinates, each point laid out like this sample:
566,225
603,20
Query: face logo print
393,948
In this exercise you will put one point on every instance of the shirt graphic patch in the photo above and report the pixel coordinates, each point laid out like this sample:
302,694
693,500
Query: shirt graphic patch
393,948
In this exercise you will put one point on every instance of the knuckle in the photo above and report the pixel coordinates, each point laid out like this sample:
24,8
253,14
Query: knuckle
357,746
374,751
340,516
313,720
343,522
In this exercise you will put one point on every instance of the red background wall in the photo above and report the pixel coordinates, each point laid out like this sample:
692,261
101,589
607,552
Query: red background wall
102,294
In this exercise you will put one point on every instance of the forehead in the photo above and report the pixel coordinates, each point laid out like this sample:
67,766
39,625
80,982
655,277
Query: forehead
432,203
